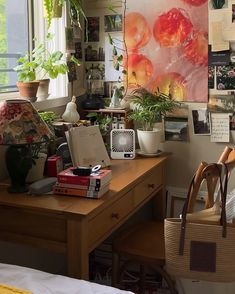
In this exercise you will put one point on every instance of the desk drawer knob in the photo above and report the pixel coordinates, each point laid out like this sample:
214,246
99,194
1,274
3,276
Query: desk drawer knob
151,186
115,215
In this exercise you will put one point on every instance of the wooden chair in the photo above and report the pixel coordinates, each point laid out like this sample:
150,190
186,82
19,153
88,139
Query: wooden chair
143,243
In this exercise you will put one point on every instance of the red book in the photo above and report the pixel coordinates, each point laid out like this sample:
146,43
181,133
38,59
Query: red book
97,179
80,192
75,186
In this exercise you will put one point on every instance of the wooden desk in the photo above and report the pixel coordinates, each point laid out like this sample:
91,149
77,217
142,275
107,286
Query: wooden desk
75,226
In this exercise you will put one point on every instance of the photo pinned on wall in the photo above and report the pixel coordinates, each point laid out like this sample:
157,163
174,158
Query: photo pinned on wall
233,13
176,129
201,121
113,23
72,73
225,77
211,77
232,123
94,53
222,103
78,50
92,32
98,70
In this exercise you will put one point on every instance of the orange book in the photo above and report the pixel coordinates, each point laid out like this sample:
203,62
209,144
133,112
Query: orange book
80,192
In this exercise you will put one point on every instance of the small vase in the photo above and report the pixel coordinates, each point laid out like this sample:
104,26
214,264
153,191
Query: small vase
43,89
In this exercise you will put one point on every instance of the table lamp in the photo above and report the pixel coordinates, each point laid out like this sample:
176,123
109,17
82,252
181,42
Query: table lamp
20,127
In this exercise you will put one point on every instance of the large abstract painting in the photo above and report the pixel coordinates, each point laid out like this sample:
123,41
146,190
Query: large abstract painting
167,44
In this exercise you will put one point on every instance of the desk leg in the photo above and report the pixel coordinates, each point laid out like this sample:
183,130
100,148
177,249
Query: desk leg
159,205
159,200
77,250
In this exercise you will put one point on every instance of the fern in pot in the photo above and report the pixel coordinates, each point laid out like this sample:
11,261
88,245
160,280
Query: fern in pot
149,108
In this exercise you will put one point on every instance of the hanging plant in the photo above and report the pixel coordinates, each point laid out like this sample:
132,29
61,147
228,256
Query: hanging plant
75,8
217,4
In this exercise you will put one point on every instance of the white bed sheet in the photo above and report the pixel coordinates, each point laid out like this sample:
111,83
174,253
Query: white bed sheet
40,282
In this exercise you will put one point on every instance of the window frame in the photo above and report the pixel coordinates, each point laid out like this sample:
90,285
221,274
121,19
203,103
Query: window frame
37,29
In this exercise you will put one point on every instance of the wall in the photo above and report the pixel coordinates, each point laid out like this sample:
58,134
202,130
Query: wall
186,156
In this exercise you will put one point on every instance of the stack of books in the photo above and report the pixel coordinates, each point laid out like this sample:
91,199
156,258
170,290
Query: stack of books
93,186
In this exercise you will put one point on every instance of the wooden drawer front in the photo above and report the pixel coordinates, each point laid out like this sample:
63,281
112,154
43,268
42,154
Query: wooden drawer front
107,220
33,225
150,183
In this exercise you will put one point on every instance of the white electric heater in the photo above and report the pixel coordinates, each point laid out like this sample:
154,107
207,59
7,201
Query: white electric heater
122,144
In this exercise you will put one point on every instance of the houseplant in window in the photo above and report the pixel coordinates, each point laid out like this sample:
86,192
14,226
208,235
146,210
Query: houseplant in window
53,8
40,64
148,109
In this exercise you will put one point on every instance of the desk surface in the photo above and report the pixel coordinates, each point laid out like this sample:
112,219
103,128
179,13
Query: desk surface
125,173
76,225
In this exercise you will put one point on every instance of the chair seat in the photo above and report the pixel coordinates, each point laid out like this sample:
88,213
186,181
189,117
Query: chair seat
134,243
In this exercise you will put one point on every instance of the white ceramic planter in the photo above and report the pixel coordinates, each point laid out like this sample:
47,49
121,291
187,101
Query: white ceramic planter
149,140
43,89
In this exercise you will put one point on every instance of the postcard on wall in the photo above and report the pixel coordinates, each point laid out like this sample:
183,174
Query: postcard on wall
220,127
92,34
111,74
222,103
201,121
176,129
113,23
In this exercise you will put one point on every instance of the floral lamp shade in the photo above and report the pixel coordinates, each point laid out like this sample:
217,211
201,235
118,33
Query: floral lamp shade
21,124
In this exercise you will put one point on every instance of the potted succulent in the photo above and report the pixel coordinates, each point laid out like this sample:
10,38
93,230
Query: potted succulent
149,109
37,66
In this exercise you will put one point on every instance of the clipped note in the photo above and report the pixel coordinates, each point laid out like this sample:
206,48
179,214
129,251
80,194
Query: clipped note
220,127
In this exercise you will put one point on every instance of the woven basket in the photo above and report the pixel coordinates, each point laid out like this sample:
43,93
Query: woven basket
180,265
202,247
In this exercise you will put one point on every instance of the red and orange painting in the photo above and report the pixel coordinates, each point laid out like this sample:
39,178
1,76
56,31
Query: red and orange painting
167,44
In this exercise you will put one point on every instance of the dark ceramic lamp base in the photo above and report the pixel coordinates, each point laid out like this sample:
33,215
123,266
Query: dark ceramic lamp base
18,162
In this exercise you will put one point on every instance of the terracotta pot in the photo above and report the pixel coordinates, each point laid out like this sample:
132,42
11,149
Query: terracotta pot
43,89
28,90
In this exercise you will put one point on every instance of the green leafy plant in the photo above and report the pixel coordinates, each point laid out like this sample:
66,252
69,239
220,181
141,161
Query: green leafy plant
75,12
41,63
150,107
48,116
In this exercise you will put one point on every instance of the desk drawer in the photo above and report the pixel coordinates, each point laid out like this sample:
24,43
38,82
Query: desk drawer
150,183
109,218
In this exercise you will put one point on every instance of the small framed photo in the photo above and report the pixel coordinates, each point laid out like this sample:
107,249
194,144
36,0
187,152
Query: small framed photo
201,121
176,129
113,23
92,33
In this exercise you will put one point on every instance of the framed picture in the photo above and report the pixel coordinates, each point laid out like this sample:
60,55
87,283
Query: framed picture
113,23
92,34
176,129
201,121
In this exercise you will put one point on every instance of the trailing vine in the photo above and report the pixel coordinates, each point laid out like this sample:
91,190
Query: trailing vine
119,58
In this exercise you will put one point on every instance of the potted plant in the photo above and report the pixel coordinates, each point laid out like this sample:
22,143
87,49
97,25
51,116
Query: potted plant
53,8
149,109
36,66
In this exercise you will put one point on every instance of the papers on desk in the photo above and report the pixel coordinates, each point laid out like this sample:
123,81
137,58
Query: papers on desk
87,147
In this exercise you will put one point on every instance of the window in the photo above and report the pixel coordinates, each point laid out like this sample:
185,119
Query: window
18,27
14,40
